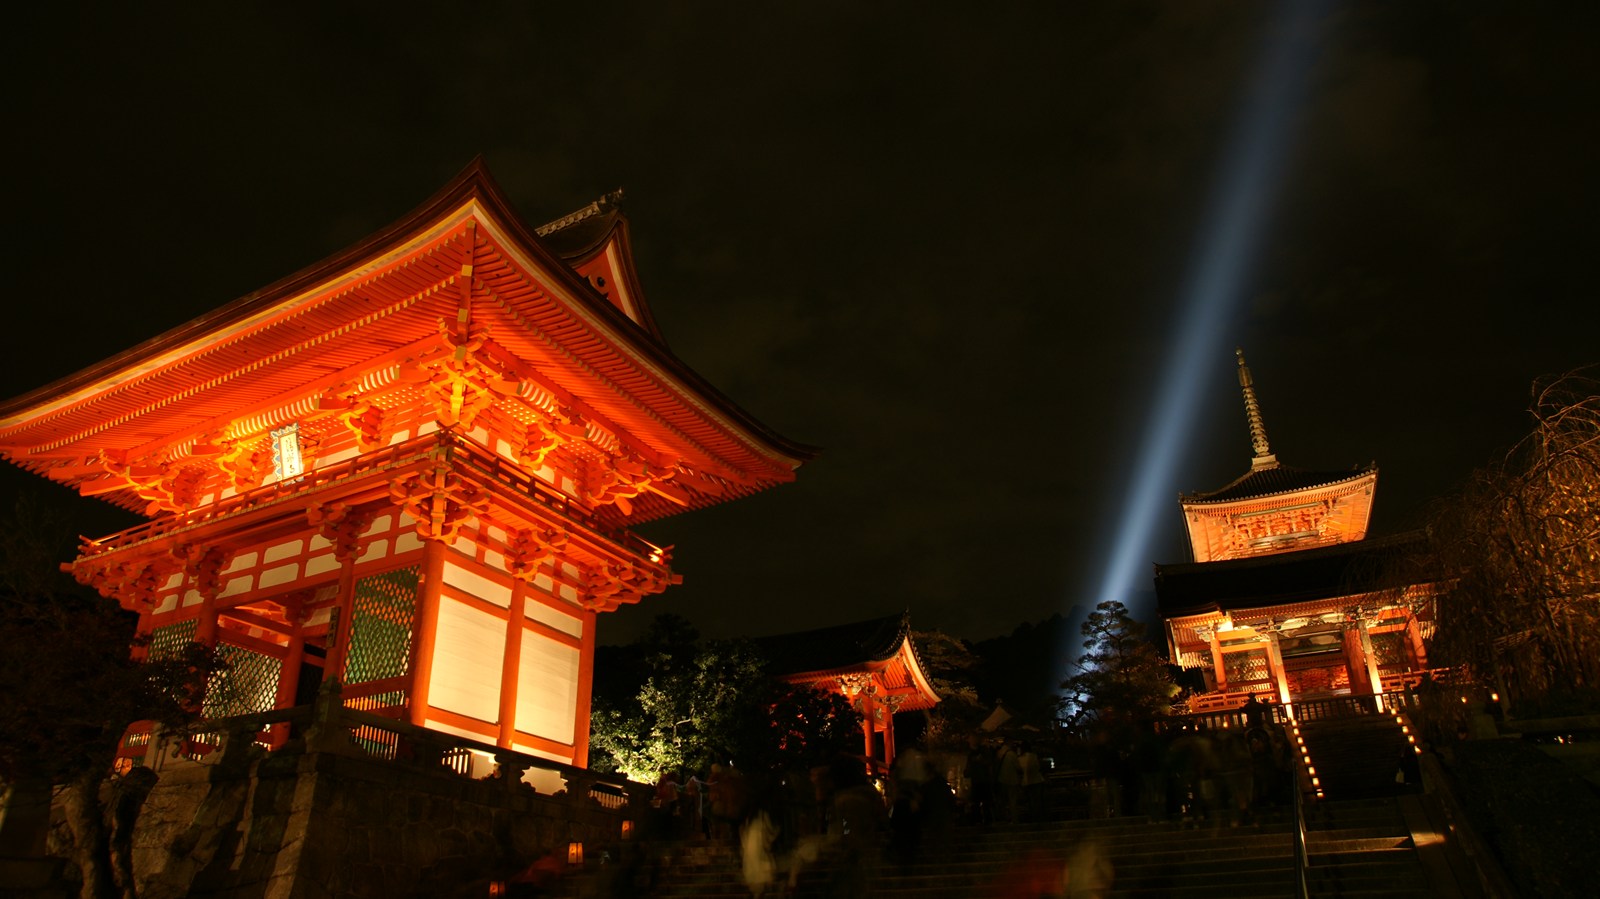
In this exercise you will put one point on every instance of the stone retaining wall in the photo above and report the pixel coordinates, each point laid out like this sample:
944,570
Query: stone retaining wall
330,825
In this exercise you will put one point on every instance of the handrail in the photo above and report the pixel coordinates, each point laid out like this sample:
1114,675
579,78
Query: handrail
1302,855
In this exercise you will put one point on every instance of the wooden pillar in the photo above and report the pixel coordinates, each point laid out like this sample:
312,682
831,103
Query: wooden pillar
427,630
888,731
580,730
511,667
344,618
1374,681
1414,645
1280,675
1218,663
289,677
868,711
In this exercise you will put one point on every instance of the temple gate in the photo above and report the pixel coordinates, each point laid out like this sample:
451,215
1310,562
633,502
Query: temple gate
412,468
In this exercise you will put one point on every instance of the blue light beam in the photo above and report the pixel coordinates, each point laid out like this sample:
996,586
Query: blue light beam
1250,175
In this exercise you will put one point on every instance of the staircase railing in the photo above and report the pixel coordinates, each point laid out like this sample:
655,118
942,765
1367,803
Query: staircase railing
1302,855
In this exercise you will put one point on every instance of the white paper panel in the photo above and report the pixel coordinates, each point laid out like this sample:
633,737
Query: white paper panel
467,661
547,688
543,614
283,551
476,585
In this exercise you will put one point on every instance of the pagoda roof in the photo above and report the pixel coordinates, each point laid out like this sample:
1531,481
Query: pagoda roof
299,344
1325,572
881,647
1271,480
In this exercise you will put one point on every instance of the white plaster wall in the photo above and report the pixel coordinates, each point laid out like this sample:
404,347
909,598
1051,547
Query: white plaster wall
467,656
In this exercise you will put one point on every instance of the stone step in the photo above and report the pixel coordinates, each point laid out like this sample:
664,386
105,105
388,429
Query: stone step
1357,848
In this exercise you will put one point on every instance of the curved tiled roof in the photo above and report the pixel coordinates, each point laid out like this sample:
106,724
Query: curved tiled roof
1267,481
839,646
374,306
1192,587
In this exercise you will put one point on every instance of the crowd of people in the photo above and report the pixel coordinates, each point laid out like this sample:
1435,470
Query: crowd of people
851,819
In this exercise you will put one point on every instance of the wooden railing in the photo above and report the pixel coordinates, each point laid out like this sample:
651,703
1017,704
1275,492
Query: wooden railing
1214,711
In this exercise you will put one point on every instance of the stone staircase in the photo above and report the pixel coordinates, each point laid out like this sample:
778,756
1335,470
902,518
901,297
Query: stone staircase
1357,848
1356,756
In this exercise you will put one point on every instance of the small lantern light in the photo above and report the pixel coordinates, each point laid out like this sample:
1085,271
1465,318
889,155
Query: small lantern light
497,888
575,853
627,829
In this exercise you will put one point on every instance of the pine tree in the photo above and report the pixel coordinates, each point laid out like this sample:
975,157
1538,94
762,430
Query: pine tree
1122,680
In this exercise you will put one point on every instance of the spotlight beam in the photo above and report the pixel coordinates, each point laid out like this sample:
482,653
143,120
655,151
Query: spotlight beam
1226,249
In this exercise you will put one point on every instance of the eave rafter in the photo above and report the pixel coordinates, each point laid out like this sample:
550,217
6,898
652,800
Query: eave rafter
286,316
443,483
488,322
555,357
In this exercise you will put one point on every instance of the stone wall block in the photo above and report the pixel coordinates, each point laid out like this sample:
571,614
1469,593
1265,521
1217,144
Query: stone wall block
307,825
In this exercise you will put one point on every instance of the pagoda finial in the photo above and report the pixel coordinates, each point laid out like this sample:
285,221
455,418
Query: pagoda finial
1258,430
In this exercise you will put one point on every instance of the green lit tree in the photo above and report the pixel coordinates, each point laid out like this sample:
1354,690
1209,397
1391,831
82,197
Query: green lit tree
1122,680
714,702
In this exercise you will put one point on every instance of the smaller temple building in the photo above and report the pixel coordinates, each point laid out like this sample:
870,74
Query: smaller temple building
872,663
1286,595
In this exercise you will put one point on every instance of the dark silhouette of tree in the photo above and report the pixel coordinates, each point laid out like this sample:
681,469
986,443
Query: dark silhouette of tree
1122,680
72,687
1516,554
952,669
1023,669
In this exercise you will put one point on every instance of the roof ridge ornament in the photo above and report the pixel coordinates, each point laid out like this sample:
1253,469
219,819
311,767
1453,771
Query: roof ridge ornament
606,203
1258,429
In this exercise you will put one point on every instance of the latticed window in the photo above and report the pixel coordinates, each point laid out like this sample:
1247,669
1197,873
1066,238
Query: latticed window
168,641
248,684
1247,667
381,618
1389,649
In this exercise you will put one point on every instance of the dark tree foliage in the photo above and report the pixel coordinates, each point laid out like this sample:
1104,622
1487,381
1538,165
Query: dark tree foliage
71,684
952,669
1022,669
1122,680
1516,555
692,704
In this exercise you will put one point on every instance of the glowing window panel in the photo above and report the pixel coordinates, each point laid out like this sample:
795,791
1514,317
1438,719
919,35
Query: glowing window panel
287,462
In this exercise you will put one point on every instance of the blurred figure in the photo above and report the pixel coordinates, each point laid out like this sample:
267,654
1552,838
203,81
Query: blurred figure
1010,780
665,805
982,772
1038,876
906,777
1030,778
1088,874
755,850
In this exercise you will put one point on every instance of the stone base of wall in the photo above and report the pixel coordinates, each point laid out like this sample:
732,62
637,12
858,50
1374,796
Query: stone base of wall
325,825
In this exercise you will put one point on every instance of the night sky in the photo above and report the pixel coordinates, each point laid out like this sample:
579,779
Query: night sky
949,245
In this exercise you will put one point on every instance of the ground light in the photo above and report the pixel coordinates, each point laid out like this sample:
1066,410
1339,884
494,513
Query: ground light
1245,185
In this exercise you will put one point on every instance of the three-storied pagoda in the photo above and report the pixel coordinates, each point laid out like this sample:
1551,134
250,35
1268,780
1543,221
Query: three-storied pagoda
412,467
1286,595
